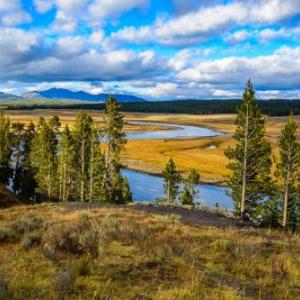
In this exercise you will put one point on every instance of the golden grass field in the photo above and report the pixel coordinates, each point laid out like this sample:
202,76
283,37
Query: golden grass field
53,251
204,154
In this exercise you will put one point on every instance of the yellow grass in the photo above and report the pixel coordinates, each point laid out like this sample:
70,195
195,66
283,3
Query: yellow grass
139,255
206,155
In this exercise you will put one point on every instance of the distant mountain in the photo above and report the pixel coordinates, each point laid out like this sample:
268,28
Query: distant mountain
56,93
6,96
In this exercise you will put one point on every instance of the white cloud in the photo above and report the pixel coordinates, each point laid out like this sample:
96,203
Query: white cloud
12,13
268,34
16,45
42,6
93,12
279,69
100,10
199,26
237,36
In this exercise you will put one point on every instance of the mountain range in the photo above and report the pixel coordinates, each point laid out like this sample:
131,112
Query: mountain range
65,94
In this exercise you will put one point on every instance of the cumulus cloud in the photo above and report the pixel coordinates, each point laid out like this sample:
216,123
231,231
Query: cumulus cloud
278,70
237,36
207,22
17,46
12,13
96,12
27,55
268,34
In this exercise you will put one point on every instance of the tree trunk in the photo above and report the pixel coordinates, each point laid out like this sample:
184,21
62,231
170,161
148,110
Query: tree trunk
169,192
82,170
49,180
286,192
60,182
244,183
91,172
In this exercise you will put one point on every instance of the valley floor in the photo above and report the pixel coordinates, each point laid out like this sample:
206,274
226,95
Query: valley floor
150,156
82,251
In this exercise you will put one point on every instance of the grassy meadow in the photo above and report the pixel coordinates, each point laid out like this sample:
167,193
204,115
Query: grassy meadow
58,252
204,154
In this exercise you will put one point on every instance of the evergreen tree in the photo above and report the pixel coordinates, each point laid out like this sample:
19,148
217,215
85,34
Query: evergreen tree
28,183
44,158
97,167
66,165
82,136
5,149
287,173
115,139
18,133
188,192
250,162
172,180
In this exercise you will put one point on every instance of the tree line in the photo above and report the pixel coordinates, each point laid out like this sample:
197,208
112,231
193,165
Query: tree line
272,107
42,162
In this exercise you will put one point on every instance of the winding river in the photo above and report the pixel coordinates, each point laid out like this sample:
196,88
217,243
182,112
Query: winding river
147,188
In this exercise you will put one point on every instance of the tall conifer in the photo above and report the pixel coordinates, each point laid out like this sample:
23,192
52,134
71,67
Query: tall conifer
287,172
172,179
115,138
44,158
5,149
82,136
66,165
250,161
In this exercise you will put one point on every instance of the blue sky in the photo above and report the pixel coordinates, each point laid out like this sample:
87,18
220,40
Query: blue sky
169,49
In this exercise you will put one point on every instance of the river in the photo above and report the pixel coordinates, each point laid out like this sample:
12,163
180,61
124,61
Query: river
147,188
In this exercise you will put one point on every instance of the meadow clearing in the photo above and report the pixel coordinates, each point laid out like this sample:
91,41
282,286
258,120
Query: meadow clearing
67,252
204,154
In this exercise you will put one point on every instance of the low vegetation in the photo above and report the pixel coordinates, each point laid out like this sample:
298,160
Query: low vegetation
56,252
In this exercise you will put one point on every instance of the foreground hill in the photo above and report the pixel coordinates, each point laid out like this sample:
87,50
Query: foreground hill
75,251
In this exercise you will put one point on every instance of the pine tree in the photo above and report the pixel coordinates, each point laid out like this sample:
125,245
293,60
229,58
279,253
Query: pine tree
172,180
287,173
44,158
28,183
17,132
82,136
5,149
188,192
66,165
96,171
114,139
250,161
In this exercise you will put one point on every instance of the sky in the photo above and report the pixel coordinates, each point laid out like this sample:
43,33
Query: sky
157,49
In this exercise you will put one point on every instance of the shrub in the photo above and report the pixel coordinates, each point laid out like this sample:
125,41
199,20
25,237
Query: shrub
28,224
79,238
4,294
6,234
63,283
222,245
31,239
83,267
